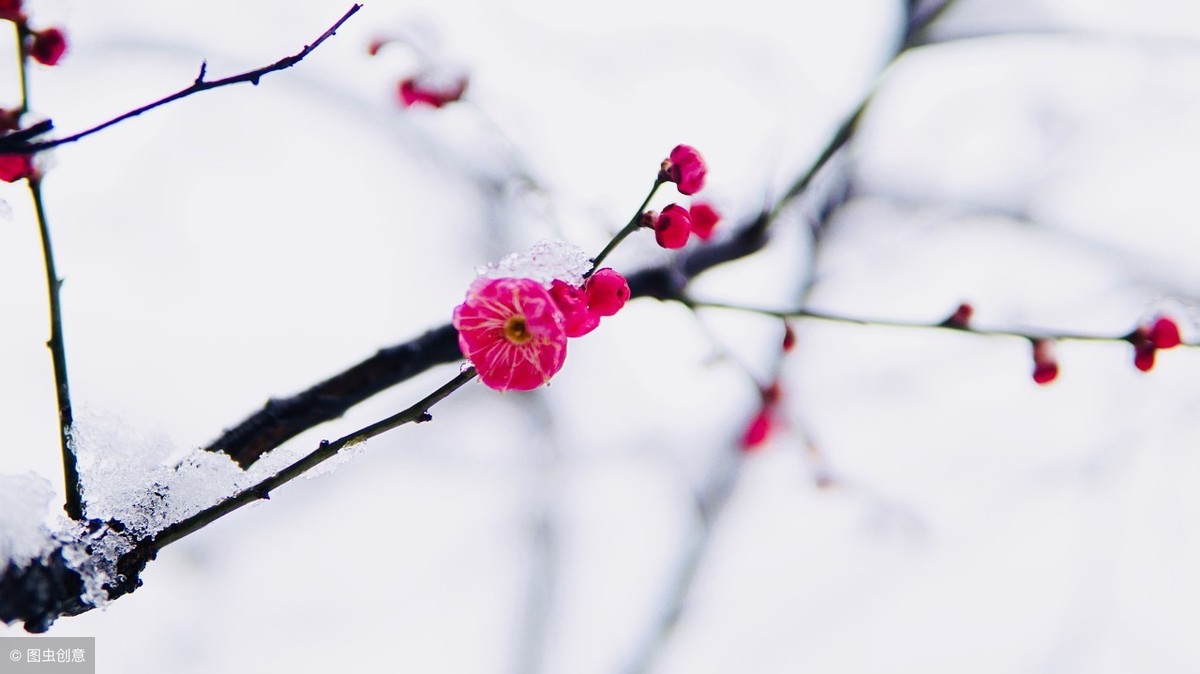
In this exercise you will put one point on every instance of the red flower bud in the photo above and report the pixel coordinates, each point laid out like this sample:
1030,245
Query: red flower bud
13,167
572,302
48,46
704,218
1164,333
1147,339
1044,373
11,10
685,168
607,291
961,317
1143,356
757,431
1045,365
789,337
673,227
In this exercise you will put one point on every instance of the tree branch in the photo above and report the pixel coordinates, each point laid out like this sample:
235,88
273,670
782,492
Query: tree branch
282,419
18,143
418,412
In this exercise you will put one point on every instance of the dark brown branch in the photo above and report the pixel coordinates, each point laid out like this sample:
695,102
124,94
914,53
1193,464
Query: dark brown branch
48,588
19,143
283,418
39,593
58,354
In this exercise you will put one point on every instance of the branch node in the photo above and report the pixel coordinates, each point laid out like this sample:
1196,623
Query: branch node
203,71
423,417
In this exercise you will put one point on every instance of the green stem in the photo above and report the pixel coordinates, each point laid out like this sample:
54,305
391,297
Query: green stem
635,223
419,412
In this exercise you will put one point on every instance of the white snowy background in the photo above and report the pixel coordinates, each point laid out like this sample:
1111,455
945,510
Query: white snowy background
248,242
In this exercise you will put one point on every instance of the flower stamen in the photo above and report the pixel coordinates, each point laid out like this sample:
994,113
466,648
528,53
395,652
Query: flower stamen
516,330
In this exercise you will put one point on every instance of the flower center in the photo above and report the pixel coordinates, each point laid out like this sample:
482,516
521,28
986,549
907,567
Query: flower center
517,331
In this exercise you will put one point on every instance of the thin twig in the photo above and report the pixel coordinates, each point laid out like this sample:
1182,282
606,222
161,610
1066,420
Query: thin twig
630,227
945,325
916,26
22,75
711,503
919,23
14,145
418,413
58,353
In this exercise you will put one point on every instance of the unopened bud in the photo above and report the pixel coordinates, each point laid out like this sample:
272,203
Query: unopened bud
1045,364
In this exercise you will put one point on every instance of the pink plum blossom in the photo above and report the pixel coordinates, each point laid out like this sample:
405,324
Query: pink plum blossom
512,332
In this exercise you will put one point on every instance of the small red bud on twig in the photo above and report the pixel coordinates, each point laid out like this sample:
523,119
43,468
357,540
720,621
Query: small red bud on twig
1045,364
48,46
757,431
961,318
1147,339
789,337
